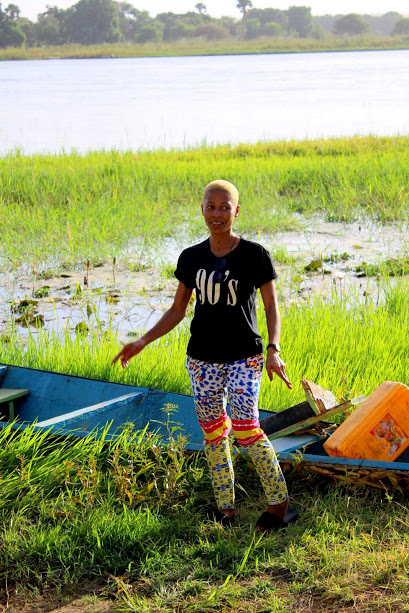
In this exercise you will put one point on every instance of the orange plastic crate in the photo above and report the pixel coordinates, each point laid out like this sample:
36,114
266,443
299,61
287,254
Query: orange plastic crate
378,429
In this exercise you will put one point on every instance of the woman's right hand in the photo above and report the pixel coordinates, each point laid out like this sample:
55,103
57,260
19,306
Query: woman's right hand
129,351
167,322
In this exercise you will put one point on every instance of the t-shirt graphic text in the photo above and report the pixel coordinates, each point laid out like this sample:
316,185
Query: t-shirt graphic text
207,288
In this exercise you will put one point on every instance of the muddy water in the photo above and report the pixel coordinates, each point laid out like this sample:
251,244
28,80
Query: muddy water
132,301
369,244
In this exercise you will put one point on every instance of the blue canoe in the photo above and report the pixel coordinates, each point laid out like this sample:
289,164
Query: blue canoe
76,406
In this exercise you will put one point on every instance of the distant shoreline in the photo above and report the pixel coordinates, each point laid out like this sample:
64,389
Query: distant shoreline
187,47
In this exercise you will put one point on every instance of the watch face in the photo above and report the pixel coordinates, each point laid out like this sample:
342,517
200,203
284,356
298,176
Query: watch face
277,346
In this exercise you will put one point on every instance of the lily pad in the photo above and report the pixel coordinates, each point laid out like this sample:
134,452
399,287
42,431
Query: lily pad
313,265
113,296
23,306
37,321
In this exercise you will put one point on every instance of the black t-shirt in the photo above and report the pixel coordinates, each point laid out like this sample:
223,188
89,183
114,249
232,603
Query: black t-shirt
224,327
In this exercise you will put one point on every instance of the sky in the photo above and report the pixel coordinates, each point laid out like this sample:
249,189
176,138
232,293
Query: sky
217,8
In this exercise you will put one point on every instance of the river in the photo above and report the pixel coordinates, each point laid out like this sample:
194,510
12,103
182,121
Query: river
147,103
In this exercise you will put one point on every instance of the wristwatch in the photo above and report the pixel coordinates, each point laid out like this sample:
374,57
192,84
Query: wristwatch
275,346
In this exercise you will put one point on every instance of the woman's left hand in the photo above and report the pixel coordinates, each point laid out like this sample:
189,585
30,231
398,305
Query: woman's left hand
274,364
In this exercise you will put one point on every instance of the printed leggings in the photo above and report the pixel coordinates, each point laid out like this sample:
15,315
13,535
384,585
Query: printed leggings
239,381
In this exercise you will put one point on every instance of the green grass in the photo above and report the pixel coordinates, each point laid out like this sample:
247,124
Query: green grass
66,521
63,209
199,46
393,267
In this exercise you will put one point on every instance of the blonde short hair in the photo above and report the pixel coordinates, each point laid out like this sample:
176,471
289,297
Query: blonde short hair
225,186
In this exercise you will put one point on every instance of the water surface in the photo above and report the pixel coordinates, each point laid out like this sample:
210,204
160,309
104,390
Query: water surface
145,103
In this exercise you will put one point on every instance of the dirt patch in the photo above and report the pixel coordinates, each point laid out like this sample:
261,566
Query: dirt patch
275,594
86,600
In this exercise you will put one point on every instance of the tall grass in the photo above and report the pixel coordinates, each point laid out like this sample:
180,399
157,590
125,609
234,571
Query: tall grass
200,46
64,209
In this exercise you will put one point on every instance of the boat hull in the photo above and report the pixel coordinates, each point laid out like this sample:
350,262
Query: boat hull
77,406
347,471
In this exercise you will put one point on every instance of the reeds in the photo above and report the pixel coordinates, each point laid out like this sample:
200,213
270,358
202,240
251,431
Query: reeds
61,210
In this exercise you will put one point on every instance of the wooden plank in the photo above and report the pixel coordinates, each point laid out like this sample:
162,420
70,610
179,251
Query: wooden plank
309,421
61,421
11,394
284,419
320,400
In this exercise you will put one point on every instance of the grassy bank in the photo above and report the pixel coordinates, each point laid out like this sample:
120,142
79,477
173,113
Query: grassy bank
70,524
70,514
191,47
70,207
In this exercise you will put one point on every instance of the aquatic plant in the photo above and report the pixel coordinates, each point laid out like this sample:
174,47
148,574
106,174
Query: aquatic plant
68,208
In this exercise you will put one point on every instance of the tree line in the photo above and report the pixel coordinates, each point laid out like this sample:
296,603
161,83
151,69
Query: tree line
90,22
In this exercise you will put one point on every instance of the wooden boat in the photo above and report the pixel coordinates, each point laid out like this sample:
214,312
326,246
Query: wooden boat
76,406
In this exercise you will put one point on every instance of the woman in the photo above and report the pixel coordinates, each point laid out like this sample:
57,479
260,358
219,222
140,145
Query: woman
225,351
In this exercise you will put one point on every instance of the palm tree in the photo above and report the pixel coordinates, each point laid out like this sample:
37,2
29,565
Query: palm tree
12,11
200,7
243,6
